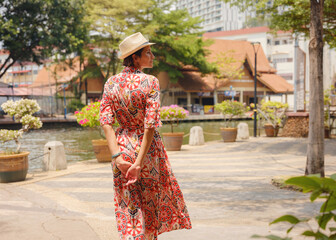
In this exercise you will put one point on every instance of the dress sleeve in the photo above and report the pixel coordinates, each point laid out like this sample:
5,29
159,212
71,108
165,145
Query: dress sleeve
152,117
106,114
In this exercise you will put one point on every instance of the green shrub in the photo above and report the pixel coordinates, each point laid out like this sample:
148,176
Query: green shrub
75,105
323,188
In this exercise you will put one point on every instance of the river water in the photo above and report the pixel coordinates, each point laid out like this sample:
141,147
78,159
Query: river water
77,140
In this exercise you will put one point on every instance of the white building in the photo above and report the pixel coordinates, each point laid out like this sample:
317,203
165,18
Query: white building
216,15
280,51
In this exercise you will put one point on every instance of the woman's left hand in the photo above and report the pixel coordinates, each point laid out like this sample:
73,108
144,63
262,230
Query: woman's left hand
133,174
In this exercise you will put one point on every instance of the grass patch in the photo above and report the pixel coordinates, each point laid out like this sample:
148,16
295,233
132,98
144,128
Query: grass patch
279,182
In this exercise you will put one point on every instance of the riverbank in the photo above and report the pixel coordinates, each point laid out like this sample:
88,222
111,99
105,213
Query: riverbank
227,188
71,120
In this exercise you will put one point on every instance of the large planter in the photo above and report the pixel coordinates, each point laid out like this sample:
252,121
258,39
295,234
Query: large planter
271,131
173,141
229,134
13,167
101,150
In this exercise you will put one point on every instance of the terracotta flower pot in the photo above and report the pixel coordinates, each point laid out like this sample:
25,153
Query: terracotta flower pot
271,131
173,141
13,167
229,134
101,150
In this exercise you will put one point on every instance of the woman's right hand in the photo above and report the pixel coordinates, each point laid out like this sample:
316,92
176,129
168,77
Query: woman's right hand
122,165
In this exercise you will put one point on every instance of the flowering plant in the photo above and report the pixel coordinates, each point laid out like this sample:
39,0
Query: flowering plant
272,112
173,114
231,109
88,116
22,112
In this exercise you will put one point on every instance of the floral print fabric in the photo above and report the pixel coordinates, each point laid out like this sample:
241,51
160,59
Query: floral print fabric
154,204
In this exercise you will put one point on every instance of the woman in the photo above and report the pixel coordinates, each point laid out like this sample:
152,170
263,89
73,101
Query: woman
148,199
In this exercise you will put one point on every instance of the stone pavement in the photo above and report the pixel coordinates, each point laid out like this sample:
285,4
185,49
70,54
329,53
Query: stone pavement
226,186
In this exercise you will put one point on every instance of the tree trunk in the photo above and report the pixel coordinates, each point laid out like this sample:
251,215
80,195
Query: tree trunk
315,151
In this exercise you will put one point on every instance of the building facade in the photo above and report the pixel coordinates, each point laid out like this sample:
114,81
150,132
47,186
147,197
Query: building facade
195,90
280,51
20,73
216,15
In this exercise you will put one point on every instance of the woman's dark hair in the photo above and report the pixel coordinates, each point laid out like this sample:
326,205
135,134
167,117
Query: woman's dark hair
128,61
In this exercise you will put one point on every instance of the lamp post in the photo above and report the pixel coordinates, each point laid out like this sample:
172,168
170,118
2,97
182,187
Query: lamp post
256,46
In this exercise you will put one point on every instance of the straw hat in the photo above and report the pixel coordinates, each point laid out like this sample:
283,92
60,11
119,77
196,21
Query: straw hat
133,43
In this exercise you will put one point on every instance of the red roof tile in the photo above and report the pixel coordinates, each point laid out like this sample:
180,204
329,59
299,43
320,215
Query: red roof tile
276,83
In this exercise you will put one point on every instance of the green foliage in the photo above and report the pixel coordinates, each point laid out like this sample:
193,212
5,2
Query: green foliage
175,33
327,102
173,114
88,116
320,188
272,112
32,30
231,109
228,67
292,15
177,38
110,22
75,105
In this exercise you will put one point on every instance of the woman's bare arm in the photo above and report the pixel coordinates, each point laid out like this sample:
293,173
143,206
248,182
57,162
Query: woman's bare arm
122,165
111,139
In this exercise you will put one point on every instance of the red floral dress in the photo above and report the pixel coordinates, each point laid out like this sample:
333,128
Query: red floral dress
154,204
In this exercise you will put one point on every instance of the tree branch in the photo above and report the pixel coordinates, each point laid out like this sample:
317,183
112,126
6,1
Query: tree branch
5,63
4,72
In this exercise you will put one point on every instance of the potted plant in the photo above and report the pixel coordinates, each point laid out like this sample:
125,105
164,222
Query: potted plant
327,103
173,114
88,116
230,109
273,114
14,163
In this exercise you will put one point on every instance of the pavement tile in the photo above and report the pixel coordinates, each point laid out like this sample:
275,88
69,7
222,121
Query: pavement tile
226,186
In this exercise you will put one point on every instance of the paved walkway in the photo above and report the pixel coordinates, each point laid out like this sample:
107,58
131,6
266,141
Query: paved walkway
226,186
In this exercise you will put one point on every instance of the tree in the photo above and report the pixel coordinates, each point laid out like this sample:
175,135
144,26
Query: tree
228,67
315,151
292,15
175,33
315,19
110,22
177,38
32,30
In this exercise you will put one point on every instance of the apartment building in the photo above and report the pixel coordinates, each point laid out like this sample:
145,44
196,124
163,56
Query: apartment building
216,15
20,73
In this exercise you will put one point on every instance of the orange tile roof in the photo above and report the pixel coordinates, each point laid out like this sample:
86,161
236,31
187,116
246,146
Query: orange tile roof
60,72
276,83
239,32
193,81
241,51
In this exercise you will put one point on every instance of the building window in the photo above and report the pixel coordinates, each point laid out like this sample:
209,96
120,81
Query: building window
269,41
282,60
277,42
